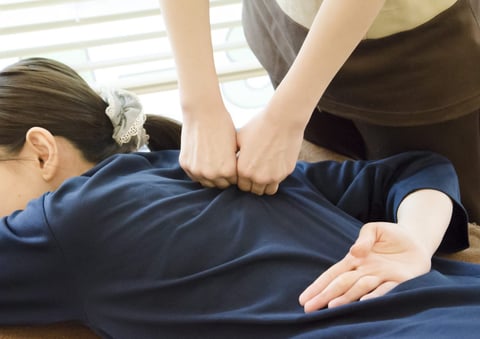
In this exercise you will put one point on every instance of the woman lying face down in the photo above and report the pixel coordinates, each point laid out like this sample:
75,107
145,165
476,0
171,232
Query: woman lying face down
124,242
43,163
54,126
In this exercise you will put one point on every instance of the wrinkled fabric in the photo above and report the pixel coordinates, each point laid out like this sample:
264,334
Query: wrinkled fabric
134,249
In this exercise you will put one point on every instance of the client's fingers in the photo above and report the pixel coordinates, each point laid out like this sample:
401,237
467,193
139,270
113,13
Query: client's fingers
325,279
359,289
380,290
338,287
365,241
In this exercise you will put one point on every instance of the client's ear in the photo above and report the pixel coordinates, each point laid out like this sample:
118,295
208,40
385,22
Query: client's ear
44,147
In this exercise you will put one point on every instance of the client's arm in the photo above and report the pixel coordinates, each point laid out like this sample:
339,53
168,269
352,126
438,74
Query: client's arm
36,285
385,254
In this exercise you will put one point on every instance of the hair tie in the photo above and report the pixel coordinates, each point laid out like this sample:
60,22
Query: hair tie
125,112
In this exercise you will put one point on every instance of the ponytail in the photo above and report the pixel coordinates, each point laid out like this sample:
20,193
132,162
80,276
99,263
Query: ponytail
164,133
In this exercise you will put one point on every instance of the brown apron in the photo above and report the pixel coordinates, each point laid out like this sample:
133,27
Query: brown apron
417,89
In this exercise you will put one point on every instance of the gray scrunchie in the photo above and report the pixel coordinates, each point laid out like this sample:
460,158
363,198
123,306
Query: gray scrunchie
125,112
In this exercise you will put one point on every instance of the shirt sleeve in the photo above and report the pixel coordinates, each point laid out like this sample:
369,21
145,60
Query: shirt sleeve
34,287
373,190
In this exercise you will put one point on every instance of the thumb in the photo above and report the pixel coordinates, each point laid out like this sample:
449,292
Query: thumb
365,241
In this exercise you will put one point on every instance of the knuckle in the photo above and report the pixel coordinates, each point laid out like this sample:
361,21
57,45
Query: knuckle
244,185
343,282
368,283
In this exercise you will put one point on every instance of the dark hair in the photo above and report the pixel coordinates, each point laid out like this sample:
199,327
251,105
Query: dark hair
46,93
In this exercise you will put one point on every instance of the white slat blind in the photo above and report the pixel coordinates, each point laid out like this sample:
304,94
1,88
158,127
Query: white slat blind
123,43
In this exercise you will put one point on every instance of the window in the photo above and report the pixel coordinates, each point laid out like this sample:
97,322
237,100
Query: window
123,43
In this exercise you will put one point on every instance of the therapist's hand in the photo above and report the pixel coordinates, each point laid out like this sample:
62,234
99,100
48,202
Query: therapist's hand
208,149
384,255
268,151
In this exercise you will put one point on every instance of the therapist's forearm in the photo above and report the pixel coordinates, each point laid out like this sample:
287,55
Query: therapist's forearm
426,214
188,27
338,28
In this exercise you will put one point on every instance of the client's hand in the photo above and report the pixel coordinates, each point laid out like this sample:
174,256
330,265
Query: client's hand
384,255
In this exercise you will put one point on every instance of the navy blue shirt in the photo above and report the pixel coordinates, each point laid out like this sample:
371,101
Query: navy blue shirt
134,249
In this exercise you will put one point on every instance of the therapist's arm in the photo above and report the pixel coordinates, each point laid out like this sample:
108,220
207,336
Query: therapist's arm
338,28
385,254
270,142
208,147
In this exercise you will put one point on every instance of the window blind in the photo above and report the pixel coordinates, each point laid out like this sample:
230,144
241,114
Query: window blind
117,42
